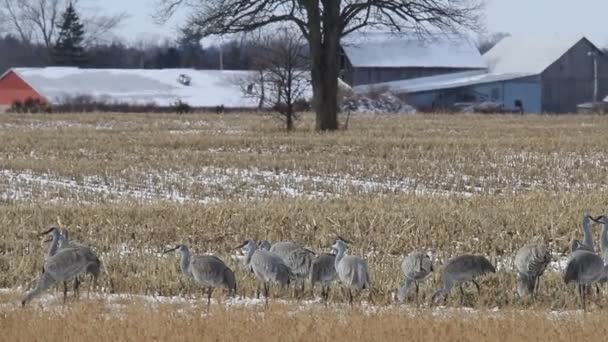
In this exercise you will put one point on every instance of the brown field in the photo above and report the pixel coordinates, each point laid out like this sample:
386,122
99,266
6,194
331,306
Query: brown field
130,185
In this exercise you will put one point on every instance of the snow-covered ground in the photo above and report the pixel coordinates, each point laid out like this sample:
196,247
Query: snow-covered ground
117,303
205,185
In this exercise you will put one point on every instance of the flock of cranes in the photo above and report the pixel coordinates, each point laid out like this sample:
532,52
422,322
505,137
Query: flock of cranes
285,262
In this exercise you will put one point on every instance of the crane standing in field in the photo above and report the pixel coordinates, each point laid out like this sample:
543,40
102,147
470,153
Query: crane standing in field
352,270
297,258
584,268
462,269
416,267
323,270
208,271
531,262
94,269
267,266
63,266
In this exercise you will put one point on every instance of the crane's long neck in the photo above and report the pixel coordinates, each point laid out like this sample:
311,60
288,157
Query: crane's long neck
587,235
184,262
44,282
604,241
250,250
339,255
54,245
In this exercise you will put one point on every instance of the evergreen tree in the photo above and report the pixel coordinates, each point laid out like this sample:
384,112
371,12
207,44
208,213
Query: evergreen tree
68,49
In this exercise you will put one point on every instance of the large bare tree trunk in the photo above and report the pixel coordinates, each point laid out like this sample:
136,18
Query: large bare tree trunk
325,67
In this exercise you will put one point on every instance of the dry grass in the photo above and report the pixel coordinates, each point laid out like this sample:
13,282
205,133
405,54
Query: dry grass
129,185
90,322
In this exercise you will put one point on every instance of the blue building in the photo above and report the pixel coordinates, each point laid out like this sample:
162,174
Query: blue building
540,75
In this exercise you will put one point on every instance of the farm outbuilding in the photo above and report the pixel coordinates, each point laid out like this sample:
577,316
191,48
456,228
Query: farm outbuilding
159,87
377,57
541,75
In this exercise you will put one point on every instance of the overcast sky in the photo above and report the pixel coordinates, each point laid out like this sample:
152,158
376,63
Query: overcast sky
538,17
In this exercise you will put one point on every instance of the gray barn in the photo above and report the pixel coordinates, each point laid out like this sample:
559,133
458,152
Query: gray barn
563,66
377,57
544,75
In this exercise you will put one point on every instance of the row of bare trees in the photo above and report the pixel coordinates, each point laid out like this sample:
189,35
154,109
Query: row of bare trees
36,22
323,23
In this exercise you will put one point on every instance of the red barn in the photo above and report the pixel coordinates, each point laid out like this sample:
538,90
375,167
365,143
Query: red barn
13,88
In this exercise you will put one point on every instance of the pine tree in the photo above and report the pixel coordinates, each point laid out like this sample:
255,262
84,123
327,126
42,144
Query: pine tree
68,49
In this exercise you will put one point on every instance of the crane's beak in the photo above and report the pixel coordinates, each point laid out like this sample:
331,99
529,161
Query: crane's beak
338,237
600,219
309,251
171,250
47,231
241,245
49,239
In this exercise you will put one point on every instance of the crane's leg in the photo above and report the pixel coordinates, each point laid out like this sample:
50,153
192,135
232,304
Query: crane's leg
77,287
536,286
477,286
417,290
461,294
209,292
257,291
350,296
65,291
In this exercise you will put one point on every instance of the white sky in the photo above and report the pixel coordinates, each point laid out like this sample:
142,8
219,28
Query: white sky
538,17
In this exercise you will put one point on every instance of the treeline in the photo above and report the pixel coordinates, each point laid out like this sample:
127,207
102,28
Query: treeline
144,55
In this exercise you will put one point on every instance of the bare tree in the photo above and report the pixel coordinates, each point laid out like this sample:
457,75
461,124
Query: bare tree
283,77
35,21
323,23
486,42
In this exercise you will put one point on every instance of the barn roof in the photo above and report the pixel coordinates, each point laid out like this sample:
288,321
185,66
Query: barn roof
382,49
527,54
446,81
208,88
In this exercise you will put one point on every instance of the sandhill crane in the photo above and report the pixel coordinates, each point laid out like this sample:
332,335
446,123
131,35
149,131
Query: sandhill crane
352,270
416,267
208,271
267,266
63,266
530,262
323,270
585,268
462,269
297,258
93,269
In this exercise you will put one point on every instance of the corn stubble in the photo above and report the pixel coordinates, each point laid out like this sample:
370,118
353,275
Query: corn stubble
531,179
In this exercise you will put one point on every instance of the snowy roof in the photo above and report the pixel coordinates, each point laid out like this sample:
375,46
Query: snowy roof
527,54
381,49
446,81
208,88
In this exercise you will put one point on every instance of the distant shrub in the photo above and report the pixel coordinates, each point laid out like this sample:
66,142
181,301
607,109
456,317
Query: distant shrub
30,105
181,107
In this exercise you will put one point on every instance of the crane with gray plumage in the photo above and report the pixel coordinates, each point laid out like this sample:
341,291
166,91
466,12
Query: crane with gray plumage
416,267
208,271
531,261
352,270
65,265
462,269
94,269
266,266
323,270
297,258
585,269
